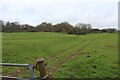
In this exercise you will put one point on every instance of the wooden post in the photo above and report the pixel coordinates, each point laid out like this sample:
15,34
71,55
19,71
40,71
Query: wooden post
42,69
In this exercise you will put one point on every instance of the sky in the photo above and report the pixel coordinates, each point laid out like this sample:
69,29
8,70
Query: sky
98,13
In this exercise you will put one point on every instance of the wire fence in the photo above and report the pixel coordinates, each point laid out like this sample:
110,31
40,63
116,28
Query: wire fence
44,70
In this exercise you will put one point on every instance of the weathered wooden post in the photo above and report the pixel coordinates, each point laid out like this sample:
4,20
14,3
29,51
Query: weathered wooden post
42,69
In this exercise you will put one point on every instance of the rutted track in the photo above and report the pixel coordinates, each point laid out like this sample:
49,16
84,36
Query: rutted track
56,66
68,57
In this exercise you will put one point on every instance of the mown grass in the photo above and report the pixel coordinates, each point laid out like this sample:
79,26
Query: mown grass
81,56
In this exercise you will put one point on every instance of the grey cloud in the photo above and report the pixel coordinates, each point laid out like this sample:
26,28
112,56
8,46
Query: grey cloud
99,13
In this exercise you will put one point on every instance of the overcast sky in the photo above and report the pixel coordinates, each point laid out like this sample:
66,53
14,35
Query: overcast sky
99,13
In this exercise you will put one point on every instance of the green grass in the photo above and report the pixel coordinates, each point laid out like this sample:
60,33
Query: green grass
81,56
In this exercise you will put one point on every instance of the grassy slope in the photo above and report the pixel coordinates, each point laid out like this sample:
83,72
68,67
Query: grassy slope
92,55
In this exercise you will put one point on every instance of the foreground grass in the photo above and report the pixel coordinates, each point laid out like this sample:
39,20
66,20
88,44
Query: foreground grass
83,56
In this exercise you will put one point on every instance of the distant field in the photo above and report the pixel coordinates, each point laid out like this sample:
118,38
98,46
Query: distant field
81,56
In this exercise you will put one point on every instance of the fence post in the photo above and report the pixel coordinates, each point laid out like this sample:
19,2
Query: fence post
42,69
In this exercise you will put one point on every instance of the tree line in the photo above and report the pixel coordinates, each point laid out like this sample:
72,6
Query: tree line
63,27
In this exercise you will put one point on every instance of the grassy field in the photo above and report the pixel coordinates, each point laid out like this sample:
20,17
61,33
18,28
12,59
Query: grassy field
76,56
